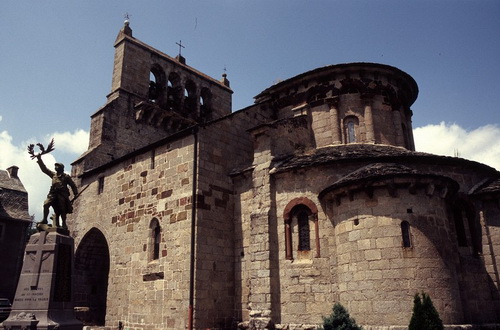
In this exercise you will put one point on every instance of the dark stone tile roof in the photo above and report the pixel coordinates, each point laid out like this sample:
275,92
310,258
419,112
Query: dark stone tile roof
380,171
377,170
7,182
13,198
370,152
490,186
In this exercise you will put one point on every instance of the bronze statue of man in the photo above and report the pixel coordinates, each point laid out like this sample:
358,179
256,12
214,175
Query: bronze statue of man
58,196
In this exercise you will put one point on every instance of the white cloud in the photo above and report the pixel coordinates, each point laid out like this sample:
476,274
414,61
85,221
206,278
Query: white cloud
481,144
76,142
68,147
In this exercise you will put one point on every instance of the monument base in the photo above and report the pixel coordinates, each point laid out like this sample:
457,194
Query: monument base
44,292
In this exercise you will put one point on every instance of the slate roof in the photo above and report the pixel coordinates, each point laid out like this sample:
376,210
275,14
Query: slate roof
13,198
377,170
369,152
380,171
491,186
7,182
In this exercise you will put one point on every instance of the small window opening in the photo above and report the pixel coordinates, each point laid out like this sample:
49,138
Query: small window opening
174,91
351,134
156,243
154,240
298,219
205,106
100,185
356,221
153,154
405,232
190,98
304,231
351,126
157,84
410,210
458,216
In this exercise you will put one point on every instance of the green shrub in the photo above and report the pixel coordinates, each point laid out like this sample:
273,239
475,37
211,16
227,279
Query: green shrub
425,316
339,320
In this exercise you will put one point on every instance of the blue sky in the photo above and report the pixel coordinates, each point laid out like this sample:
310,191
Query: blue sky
57,60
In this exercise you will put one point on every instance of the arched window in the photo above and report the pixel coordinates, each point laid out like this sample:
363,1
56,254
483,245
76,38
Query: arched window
351,124
303,230
466,226
190,99
174,90
301,218
154,239
205,104
156,85
405,233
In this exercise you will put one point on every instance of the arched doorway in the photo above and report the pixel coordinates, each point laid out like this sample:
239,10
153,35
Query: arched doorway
91,277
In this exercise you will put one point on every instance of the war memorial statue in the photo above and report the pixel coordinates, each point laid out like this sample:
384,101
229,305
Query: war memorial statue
44,294
58,197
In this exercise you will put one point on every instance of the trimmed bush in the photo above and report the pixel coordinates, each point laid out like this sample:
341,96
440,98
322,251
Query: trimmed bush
425,316
339,320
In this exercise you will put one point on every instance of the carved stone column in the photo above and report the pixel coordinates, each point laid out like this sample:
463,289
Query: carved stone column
398,129
334,120
370,131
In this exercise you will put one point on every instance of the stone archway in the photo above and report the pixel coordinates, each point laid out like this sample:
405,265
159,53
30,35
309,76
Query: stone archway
91,278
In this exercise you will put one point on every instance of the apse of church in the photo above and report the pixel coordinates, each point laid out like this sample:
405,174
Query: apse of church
197,216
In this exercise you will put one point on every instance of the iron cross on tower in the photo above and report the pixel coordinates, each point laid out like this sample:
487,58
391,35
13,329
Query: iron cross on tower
180,46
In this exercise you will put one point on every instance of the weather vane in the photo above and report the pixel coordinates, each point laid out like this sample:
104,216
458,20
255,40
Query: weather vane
127,17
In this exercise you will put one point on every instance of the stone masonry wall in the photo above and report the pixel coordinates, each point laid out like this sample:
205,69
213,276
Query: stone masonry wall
223,147
379,123
143,293
308,282
373,262
377,276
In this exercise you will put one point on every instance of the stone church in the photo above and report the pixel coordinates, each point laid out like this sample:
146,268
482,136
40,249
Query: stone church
193,215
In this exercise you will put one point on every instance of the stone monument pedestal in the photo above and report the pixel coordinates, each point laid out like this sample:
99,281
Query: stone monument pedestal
44,297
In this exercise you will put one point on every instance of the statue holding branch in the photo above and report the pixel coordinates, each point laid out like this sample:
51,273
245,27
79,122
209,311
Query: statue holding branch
58,196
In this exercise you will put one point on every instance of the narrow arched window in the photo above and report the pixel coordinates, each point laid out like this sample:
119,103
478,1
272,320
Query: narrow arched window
190,103
405,233
351,133
154,239
351,126
154,92
156,85
301,229
174,92
304,231
205,104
